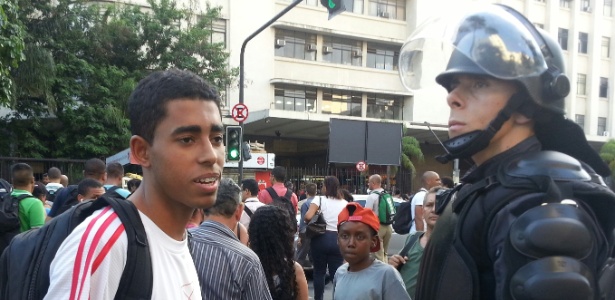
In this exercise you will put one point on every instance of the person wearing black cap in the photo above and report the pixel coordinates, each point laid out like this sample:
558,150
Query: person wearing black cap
494,240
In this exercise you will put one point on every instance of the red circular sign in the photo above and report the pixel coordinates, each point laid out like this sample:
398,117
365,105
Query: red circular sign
239,112
361,166
260,160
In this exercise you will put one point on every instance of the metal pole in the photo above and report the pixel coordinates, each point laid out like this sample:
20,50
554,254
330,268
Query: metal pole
241,69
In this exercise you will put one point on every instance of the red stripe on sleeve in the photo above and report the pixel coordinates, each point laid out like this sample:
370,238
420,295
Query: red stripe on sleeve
105,250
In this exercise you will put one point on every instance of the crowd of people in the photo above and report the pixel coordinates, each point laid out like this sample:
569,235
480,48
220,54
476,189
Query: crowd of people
206,237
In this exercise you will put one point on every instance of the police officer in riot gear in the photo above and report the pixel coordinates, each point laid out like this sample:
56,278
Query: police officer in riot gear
496,239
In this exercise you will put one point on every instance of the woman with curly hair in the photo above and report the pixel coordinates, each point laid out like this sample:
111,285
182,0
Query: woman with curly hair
271,234
324,250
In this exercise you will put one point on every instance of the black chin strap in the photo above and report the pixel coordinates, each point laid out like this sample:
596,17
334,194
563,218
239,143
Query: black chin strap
468,144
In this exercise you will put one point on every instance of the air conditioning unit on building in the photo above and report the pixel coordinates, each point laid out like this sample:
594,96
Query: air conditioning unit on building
383,14
327,49
310,47
280,43
587,8
357,53
605,133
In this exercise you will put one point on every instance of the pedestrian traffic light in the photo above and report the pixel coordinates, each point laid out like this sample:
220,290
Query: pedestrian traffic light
335,7
233,143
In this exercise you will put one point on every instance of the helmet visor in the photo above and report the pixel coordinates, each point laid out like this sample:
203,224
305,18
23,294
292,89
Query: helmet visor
489,39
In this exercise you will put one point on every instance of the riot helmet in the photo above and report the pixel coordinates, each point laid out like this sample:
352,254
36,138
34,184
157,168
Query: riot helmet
492,40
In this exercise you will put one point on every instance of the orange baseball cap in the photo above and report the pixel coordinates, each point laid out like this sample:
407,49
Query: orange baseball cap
354,212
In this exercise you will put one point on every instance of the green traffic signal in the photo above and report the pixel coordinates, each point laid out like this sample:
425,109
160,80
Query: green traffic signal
233,143
335,7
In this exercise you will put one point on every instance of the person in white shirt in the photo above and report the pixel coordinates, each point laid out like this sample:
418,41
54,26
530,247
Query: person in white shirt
428,180
249,191
177,138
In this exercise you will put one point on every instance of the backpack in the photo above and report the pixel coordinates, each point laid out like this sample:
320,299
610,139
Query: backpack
402,221
386,208
24,265
67,198
5,187
284,201
51,195
9,218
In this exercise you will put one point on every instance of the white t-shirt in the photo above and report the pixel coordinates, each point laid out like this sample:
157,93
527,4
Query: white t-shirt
330,209
97,251
417,200
252,204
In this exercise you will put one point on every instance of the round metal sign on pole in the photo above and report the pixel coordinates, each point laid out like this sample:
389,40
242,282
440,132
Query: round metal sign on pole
239,112
361,166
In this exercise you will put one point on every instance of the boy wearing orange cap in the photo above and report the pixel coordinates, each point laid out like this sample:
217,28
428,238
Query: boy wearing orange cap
362,277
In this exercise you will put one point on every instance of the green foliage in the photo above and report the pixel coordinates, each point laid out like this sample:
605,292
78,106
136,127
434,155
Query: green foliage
607,153
11,47
411,151
82,62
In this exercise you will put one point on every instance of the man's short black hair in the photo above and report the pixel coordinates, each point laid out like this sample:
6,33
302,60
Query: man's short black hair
21,174
146,105
39,189
115,170
279,173
133,183
54,173
250,185
94,167
86,184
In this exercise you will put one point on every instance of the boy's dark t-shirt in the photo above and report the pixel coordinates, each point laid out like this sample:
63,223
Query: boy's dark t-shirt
378,281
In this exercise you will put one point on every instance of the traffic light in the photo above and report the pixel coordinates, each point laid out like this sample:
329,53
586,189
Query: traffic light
233,143
335,7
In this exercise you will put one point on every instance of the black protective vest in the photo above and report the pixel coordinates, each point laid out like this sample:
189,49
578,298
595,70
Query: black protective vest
470,243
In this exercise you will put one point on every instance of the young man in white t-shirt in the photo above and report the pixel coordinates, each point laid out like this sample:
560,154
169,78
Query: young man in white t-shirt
177,138
428,180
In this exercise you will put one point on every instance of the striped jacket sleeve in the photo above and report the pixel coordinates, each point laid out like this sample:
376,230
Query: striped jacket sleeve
90,261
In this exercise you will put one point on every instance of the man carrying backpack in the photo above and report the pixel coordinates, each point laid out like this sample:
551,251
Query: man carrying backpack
532,219
177,138
381,203
277,188
31,209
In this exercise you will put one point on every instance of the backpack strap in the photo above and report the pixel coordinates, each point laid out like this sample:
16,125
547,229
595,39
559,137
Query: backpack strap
413,239
248,211
289,194
137,280
272,193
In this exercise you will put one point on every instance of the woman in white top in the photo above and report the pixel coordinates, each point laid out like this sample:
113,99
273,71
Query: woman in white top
324,250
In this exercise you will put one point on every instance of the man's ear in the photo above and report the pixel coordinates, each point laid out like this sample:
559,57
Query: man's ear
239,211
139,149
80,197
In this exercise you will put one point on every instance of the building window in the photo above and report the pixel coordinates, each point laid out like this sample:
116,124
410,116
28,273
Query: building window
583,42
581,78
543,1
393,9
580,119
585,6
294,97
606,47
564,3
539,25
382,57
345,103
604,87
342,51
602,127
218,32
607,9
384,106
562,38
295,44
